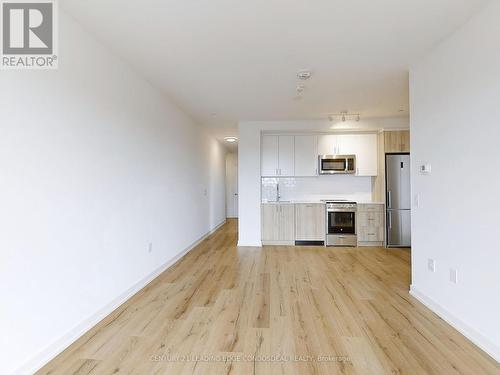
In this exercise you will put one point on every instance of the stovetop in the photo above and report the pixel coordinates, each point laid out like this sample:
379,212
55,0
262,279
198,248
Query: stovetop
339,201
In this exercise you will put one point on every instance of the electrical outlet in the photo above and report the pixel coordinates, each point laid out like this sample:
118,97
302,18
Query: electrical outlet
150,247
453,276
431,265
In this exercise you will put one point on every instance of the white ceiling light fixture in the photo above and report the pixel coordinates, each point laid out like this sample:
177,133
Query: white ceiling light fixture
304,74
231,139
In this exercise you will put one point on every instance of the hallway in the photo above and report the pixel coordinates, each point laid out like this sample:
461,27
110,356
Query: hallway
275,310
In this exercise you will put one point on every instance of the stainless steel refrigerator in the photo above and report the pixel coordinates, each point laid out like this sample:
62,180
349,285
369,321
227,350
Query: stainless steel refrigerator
398,195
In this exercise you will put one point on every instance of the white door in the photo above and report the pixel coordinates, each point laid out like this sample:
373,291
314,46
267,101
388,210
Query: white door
306,155
232,185
269,163
286,152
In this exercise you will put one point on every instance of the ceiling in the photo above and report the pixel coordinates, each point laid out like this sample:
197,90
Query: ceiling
224,60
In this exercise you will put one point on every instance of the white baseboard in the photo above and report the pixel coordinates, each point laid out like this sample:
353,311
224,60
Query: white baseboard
44,357
249,244
475,337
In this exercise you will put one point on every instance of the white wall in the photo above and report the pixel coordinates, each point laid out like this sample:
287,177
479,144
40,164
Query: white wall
455,126
249,155
249,185
95,164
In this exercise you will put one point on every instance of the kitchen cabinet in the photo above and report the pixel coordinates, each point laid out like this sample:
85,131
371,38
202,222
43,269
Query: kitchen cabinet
278,155
286,155
328,144
290,156
397,141
365,147
370,224
310,222
278,224
306,155
269,163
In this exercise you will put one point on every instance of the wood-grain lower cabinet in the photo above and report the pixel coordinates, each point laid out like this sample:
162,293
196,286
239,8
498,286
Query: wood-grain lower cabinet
310,222
278,224
371,224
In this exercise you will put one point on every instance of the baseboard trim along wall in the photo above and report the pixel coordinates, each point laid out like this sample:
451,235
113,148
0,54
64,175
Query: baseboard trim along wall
69,338
249,244
475,337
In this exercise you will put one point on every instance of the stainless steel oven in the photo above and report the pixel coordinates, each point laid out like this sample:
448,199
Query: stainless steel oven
337,164
341,224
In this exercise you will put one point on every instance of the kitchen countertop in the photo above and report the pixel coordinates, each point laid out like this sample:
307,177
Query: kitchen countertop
294,202
312,202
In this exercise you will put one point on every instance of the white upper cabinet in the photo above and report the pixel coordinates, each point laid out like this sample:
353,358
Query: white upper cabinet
306,155
286,153
269,163
328,145
277,155
365,147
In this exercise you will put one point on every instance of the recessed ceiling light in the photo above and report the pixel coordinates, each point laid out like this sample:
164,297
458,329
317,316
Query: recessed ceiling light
231,139
304,74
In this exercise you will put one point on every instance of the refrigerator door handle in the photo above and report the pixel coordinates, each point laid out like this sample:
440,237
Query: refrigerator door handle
389,199
390,220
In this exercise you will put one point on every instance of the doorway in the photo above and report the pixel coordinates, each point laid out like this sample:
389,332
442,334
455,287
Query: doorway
232,185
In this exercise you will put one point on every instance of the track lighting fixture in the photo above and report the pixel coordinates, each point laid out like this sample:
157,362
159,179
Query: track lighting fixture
345,116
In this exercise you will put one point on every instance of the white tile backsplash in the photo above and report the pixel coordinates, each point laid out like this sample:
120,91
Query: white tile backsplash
348,187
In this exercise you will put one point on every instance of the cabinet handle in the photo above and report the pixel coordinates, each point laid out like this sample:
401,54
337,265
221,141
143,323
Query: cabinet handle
371,234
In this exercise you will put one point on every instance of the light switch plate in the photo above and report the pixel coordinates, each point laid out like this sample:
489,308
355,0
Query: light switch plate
453,276
426,168
431,265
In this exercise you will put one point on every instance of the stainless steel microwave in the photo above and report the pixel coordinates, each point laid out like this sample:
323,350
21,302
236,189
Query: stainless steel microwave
337,164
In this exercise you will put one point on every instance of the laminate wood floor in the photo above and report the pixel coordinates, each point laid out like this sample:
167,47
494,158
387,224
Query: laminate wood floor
275,310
